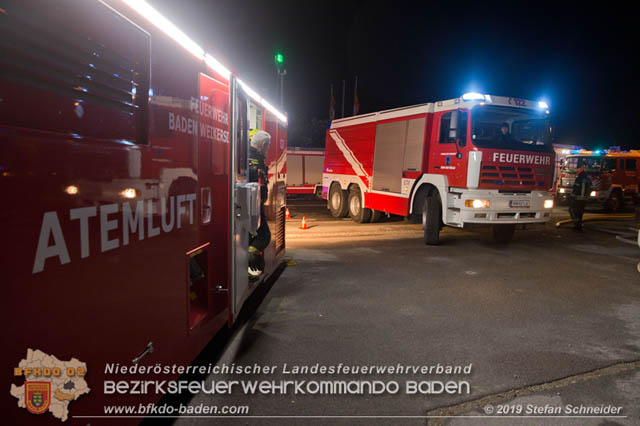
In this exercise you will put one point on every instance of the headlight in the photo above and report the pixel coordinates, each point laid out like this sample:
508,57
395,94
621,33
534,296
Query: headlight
548,204
477,204
593,193
561,190
129,193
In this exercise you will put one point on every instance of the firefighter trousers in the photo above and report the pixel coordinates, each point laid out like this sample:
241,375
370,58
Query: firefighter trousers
262,237
576,211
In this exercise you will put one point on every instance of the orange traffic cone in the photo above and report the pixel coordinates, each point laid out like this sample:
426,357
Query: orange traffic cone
303,225
288,215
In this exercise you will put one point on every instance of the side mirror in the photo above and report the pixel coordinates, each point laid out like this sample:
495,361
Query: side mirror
453,126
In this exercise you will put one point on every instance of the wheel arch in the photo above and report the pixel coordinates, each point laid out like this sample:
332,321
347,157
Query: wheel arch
356,185
428,183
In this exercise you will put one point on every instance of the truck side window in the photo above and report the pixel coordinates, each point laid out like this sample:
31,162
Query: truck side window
444,128
462,134
610,164
630,165
445,121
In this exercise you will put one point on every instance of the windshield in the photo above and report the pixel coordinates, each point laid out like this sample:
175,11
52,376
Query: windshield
510,128
588,163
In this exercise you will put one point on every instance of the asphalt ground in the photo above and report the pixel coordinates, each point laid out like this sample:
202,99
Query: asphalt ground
550,320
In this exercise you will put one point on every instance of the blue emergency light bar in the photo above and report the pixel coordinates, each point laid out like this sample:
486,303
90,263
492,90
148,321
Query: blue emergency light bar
473,96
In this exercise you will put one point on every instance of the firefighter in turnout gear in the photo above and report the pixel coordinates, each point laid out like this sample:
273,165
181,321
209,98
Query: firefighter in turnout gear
578,197
258,172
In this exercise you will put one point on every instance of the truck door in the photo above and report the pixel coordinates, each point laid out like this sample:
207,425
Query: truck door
448,139
209,262
245,200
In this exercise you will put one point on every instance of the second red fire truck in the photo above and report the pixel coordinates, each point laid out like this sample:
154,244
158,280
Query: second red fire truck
476,159
613,174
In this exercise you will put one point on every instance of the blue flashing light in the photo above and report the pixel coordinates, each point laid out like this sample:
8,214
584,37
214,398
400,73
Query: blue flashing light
543,105
473,96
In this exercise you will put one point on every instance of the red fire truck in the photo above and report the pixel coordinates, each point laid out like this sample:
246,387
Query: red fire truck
304,171
126,201
447,162
613,174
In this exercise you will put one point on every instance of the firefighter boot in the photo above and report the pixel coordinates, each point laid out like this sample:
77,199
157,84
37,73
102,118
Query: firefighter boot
256,264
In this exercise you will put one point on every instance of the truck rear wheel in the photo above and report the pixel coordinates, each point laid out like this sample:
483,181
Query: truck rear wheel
338,203
376,215
503,234
358,213
431,213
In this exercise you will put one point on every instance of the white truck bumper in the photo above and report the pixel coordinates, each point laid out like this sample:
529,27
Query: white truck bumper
503,207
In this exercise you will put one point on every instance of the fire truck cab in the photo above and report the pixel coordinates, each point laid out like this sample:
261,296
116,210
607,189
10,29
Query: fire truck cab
613,174
476,159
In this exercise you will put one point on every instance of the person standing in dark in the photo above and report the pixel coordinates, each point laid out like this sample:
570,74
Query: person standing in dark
578,197
259,172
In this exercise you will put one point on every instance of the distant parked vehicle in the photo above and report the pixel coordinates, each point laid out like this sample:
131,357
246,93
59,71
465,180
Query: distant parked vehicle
614,176
304,171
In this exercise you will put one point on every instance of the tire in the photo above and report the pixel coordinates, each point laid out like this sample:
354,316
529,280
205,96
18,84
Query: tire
503,234
338,203
615,203
418,203
358,213
376,215
431,218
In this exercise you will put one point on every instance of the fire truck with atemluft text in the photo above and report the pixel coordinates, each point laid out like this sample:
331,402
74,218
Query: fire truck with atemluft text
127,205
477,159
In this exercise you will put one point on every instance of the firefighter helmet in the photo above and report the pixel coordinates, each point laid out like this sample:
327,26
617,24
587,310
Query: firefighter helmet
259,138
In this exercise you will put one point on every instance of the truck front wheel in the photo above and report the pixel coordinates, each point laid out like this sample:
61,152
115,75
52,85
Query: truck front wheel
338,203
431,213
615,203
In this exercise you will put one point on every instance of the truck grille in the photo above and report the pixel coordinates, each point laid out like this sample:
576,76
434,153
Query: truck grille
514,177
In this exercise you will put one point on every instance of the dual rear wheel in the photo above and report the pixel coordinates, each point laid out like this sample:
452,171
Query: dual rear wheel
343,203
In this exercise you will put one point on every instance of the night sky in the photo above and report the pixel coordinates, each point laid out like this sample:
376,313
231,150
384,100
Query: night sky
577,57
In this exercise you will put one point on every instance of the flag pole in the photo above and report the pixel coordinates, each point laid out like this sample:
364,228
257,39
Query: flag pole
332,106
356,101
343,88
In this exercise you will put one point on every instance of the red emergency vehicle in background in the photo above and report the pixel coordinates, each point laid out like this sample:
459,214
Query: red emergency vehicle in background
614,176
561,155
445,162
126,201
304,171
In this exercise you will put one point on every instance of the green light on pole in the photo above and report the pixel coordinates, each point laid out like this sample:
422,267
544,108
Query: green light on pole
279,58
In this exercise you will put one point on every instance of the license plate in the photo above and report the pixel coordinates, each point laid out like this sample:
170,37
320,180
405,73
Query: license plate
519,203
